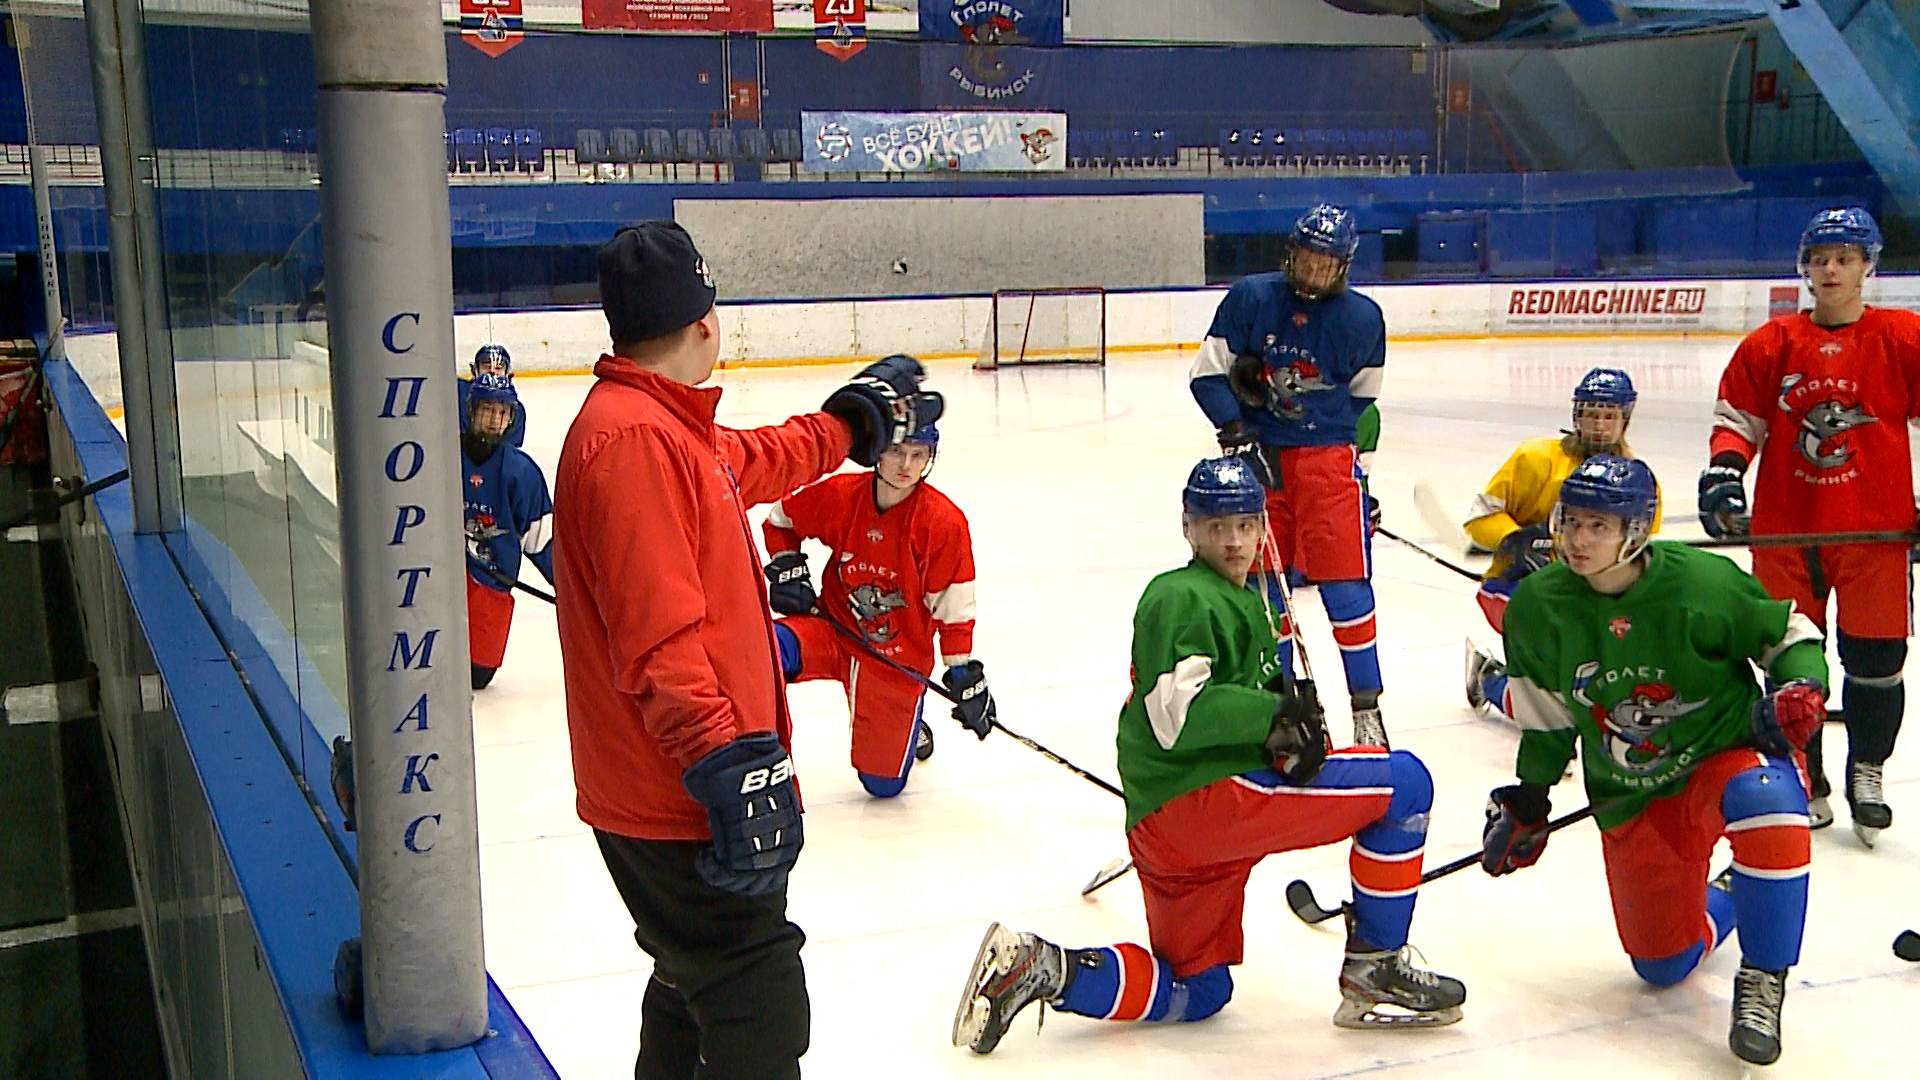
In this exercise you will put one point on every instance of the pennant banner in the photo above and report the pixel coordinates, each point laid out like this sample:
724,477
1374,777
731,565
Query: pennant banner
492,26
934,142
840,27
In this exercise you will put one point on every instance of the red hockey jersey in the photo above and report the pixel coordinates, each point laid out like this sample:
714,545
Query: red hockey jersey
901,574
1827,409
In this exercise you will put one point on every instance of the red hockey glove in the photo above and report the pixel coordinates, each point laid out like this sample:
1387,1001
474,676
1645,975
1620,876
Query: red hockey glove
1516,828
1784,720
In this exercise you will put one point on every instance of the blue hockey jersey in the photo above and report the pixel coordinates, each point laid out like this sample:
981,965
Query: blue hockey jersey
1324,360
509,514
516,431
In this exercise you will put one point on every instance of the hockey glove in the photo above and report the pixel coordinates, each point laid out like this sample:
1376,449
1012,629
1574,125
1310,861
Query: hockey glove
1374,516
1723,498
1784,720
1248,377
1524,551
753,812
790,584
975,710
1297,744
883,405
1516,828
1237,442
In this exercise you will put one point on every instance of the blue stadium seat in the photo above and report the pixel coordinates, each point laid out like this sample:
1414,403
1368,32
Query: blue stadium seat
1140,147
469,150
1292,150
1165,148
530,150
1313,145
1254,150
589,147
656,146
623,146
754,145
500,154
690,146
1080,145
1232,146
787,145
722,147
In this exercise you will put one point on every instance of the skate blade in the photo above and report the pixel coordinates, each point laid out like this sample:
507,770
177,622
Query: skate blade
970,1019
1819,813
1362,1015
1867,835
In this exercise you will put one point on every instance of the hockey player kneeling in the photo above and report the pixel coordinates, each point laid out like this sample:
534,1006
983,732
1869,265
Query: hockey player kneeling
1643,653
1225,761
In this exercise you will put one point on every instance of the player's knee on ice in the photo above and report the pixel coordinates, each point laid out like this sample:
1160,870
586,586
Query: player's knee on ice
1412,786
1669,970
789,645
883,787
1202,995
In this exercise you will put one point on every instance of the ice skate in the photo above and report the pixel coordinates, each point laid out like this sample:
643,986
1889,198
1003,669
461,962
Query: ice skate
1867,801
1819,810
1011,971
1371,978
922,741
1757,998
1481,664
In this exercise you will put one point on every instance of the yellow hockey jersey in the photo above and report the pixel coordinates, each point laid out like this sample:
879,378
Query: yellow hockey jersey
1523,491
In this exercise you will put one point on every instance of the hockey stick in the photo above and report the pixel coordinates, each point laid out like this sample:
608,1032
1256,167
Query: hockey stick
1301,899
866,647
1435,517
511,583
70,497
1907,946
1455,567
1834,539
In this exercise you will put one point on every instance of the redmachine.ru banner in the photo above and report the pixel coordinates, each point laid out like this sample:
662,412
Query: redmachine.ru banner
704,16
1623,305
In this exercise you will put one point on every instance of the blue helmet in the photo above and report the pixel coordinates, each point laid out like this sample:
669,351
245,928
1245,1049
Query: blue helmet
493,354
1606,386
1616,486
1329,230
1221,486
1845,225
490,388
926,435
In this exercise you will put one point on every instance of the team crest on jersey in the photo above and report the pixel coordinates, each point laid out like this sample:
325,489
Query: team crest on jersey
1824,440
476,480
1628,726
1831,348
875,535
1620,626
1292,381
1299,319
873,609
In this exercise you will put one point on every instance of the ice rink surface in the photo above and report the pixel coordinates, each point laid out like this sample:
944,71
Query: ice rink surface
1071,480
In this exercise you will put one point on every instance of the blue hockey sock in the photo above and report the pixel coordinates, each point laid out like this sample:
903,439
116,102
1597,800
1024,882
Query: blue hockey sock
1126,982
1349,607
1494,685
1386,857
789,644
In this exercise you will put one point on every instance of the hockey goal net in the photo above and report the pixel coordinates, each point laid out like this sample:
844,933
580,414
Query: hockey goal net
1045,326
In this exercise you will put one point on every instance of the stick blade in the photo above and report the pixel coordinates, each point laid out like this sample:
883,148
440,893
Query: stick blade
1108,874
1907,946
1433,514
1305,907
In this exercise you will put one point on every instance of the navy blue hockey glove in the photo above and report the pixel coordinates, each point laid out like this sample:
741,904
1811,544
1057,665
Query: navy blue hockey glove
883,405
1516,828
975,711
1784,720
1524,551
1236,441
1297,744
790,584
1723,498
1248,378
753,811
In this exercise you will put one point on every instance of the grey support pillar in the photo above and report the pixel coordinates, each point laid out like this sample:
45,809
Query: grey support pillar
382,71
128,170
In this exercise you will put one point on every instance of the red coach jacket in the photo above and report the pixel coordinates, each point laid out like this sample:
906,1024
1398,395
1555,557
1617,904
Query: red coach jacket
665,637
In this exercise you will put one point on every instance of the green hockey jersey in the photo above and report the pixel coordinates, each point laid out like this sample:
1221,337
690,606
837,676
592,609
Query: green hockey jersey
1650,682
1203,650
